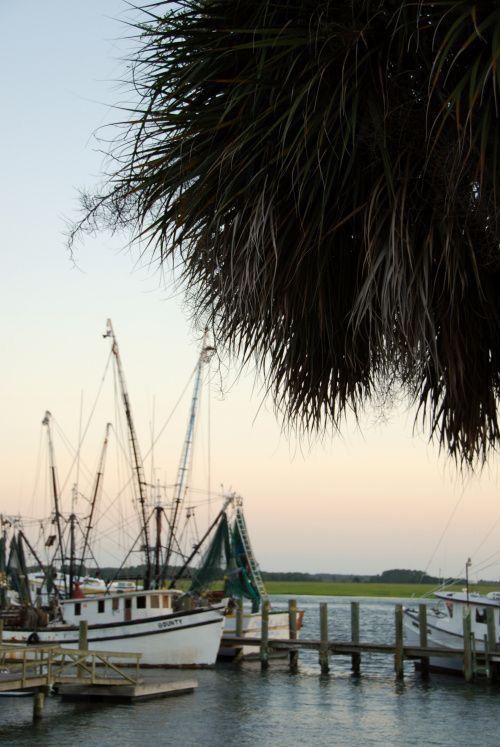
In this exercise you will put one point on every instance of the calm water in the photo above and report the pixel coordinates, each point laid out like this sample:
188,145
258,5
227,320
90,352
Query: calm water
242,706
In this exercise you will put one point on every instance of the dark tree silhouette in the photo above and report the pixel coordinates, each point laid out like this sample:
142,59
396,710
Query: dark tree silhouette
326,172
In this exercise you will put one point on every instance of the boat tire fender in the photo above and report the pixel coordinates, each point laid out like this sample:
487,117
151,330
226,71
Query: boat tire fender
33,638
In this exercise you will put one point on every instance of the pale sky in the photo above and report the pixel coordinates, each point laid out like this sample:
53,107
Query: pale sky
360,502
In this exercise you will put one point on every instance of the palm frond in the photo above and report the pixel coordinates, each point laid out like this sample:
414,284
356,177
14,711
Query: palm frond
326,172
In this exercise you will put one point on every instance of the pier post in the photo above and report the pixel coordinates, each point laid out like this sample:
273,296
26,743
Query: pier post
38,702
264,636
83,644
293,654
239,617
398,648
490,645
468,664
1,631
355,658
422,623
323,634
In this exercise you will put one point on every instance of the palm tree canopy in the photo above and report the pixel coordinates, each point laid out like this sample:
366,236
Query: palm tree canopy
327,173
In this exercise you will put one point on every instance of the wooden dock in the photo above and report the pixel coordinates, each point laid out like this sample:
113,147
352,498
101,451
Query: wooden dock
79,674
475,663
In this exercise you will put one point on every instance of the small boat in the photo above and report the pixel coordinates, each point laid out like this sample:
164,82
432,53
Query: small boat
445,624
87,584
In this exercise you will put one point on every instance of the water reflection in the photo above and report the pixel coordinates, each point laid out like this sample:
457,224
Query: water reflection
240,705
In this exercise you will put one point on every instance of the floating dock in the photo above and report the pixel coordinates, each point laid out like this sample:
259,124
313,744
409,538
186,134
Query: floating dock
79,674
120,693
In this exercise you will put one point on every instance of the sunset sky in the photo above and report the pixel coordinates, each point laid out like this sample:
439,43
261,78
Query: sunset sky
372,498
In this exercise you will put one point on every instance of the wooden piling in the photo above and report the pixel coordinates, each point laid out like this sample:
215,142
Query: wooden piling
293,655
355,658
398,647
422,622
1,631
264,636
38,703
83,643
468,663
239,617
323,634
490,645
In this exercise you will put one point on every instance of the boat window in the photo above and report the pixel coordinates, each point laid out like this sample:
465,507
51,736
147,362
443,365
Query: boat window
141,603
100,605
78,608
155,601
480,615
116,604
166,600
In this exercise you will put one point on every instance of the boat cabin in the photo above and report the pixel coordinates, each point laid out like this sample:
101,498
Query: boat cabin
112,608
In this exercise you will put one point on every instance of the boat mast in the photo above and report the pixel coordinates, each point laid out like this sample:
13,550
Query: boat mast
55,491
138,466
72,520
95,495
187,449
158,513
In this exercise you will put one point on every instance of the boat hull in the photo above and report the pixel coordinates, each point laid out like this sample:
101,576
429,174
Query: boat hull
186,639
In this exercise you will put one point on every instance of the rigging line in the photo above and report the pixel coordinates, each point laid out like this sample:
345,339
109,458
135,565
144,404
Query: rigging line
74,453
160,433
488,534
92,411
37,469
450,519
106,534
170,416
479,565
484,567
78,453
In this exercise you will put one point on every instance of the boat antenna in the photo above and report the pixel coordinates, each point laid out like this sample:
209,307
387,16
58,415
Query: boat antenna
55,491
467,566
136,455
187,449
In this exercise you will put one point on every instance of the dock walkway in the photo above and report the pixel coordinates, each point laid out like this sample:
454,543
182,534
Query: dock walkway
475,663
79,674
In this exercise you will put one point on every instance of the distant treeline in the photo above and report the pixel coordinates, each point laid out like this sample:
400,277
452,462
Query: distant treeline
392,576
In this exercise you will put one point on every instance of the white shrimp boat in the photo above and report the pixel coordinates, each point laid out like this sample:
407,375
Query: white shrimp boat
146,622
151,621
445,624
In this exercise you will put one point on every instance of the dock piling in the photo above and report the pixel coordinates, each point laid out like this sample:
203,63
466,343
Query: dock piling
293,655
264,636
38,703
355,658
239,617
422,621
82,643
323,648
490,645
468,663
398,647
